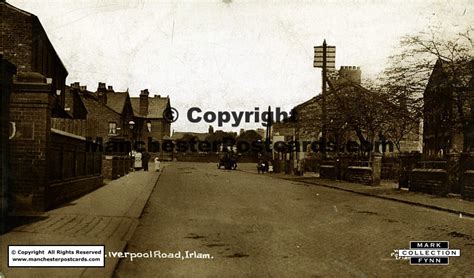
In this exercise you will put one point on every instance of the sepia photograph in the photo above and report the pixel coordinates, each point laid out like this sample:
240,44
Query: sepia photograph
236,138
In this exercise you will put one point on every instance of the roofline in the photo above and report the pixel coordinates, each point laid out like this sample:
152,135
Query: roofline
308,101
332,89
141,117
52,46
79,95
42,27
97,99
17,9
127,95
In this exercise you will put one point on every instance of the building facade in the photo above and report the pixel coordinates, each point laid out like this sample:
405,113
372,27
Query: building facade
26,44
448,114
344,98
150,125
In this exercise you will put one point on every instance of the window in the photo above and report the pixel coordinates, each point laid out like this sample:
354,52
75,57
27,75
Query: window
112,128
148,126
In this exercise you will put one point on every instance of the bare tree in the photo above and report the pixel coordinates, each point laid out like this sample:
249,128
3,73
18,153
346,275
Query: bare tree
409,71
356,108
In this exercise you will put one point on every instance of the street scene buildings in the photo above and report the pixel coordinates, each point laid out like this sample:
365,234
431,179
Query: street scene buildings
333,183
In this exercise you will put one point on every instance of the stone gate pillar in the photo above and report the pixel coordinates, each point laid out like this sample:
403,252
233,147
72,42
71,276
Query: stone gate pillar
30,109
376,168
7,70
453,172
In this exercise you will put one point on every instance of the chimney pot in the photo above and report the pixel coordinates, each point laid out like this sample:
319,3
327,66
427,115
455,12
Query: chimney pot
144,102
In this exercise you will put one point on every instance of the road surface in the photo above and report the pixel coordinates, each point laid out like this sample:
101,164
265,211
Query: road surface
254,225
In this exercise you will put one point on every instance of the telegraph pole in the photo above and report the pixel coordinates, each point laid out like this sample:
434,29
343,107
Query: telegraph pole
269,129
325,58
323,98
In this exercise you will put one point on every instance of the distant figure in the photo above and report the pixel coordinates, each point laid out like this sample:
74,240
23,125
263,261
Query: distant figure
138,160
157,164
132,160
145,159
261,166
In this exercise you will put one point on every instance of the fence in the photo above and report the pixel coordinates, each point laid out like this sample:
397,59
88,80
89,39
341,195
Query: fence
390,168
69,158
73,168
73,126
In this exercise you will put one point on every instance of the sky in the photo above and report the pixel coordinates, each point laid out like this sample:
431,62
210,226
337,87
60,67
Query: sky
229,55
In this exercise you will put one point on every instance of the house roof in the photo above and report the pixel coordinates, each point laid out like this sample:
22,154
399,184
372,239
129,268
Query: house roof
89,99
180,135
116,101
462,73
70,101
156,107
41,25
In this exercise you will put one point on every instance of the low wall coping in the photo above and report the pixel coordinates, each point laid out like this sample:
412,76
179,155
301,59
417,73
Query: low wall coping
469,172
360,168
326,166
429,170
67,134
56,183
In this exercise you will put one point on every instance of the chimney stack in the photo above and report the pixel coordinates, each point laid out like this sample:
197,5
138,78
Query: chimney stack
75,85
351,73
102,93
144,102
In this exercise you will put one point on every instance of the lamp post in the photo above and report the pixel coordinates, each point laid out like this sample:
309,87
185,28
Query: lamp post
131,124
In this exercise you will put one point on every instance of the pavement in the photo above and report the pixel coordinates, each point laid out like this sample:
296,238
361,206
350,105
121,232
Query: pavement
107,216
387,190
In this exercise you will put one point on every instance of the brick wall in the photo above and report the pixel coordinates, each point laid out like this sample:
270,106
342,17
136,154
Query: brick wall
26,44
327,172
360,174
30,110
468,185
467,176
114,167
17,37
48,166
61,192
6,72
431,181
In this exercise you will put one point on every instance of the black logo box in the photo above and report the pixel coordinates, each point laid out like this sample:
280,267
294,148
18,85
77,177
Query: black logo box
429,261
429,244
